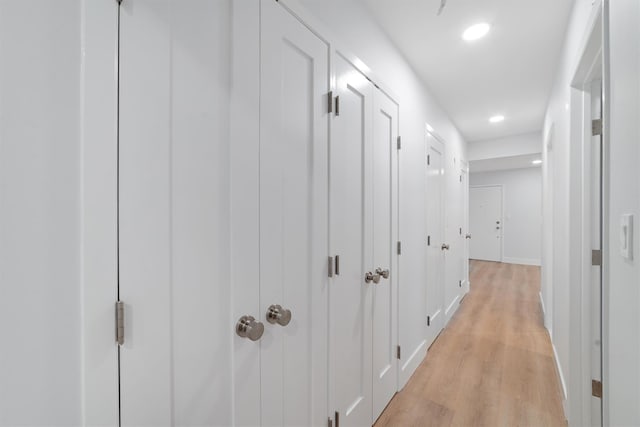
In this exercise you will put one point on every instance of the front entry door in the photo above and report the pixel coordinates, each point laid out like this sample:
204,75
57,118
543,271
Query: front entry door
485,213
293,220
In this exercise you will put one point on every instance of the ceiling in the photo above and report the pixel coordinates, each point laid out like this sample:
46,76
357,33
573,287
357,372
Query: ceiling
508,72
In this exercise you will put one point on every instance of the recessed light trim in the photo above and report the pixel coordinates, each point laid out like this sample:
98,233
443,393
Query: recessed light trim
476,32
537,162
497,119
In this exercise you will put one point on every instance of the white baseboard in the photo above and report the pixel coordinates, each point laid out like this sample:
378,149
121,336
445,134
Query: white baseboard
560,374
521,261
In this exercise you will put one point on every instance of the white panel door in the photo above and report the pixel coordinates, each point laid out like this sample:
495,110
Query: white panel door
351,240
453,243
435,239
175,364
385,202
293,219
465,235
485,222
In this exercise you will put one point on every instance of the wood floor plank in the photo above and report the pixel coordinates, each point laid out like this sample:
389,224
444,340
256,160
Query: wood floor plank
492,366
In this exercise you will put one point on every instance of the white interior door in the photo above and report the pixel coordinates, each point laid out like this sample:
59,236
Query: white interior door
453,241
596,244
293,220
385,161
351,241
466,235
173,234
485,221
435,238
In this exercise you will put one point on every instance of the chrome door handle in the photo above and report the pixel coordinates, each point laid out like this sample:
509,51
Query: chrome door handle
444,246
383,273
468,236
279,315
370,277
249,327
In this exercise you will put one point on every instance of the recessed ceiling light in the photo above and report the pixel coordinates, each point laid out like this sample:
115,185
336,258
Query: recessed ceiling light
537,162
476,31
497,119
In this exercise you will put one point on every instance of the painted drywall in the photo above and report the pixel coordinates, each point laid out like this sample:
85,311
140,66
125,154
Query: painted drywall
354,29
522,212
510,146
621,295
622,276
557,207
40,312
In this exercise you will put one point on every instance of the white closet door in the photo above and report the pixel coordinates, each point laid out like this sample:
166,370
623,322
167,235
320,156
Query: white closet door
175,364
385,202
351,240
453,274
293,219
435,230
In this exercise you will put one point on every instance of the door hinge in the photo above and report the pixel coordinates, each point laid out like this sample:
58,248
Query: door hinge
596,257
428,240
330,267
399,142
596,388
460,178
460,283
428,159
338,105
398,353
119,322
596,127
399,248
428,320
337,263
461,231
330,102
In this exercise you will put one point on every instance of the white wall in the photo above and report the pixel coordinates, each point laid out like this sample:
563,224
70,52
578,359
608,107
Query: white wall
621,304
622,277
522,212
510,146
40,316
354,28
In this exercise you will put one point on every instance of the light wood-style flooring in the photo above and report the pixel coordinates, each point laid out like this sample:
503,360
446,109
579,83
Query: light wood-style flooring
492,365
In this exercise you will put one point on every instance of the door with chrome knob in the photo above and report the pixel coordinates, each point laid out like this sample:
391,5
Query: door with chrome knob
278,315
382,273
371,277
249,327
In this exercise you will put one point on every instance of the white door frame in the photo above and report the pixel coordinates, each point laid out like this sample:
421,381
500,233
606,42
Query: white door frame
589,68
501,186
465,225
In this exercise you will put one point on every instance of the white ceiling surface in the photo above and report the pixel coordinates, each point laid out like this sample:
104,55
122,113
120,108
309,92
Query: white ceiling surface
504,163
508,72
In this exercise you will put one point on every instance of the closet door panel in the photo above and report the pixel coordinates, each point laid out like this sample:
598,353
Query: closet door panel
351,240
175,364
384,357
293,219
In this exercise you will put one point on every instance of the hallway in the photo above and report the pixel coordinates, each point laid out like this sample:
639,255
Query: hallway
492,365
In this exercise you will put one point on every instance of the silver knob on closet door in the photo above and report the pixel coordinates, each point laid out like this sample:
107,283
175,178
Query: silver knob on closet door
370,277
383,273
444,246
279,315
468,236
249,327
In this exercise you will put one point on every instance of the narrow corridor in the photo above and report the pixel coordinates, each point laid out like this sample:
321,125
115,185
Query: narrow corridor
492,366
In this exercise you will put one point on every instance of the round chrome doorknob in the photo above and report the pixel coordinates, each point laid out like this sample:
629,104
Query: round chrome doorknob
468,236
370,277
279,315
444,246
249,327
383,273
